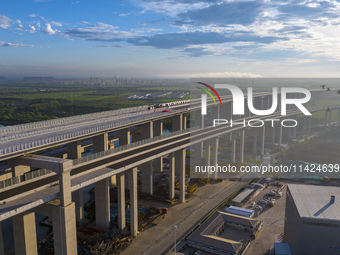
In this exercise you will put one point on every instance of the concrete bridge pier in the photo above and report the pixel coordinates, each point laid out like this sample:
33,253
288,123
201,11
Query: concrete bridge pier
133,202
124,137
273,134
289,134
25,237
157,131
338,118
102,202
177,125
207,153
309,125
280,135
102,188
263,137
74,151
255,135
146,168
241,146
198,147
64,223
180,158
177,122
215,144
64,229
172,176
121,200
233,148
326,117
184,121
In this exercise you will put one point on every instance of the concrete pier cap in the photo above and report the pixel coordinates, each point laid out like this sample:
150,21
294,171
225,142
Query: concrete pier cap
57,165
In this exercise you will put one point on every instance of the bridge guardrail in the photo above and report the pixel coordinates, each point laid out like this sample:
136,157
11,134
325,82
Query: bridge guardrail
46,123
40,142
131,145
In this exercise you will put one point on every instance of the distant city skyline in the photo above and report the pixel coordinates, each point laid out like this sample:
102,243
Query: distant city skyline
170,38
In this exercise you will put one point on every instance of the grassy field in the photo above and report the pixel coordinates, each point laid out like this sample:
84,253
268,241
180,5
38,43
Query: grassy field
22,104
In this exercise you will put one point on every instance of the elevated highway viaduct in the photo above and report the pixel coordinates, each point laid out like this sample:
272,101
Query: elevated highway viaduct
26,197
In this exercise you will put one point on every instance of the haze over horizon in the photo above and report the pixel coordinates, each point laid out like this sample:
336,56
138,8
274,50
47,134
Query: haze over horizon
174,39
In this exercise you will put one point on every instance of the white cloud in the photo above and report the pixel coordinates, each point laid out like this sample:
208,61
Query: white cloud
19,24
171,8
4,44
57,24
32,29
33,15
221,75
5,22
124,14
98,32
49,30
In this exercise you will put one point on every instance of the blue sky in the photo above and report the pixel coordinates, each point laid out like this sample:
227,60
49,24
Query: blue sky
170,38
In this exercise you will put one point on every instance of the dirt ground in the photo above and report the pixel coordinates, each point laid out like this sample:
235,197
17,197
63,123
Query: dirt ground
323,149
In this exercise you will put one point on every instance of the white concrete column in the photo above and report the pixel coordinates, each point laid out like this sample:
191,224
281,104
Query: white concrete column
172,176
133,203
100,143
326,118
2,247
255,134
263,136
184,121
157,131
64,229
146,168
181,159
309,126
177,122
25,236
102,203
338,119
65,188
73,152
215,155
78,199
242,146
330,118
207,152
121,200
233,148
280,135
19,171
124,139
304,127
289,134
273,134
147,178
198,147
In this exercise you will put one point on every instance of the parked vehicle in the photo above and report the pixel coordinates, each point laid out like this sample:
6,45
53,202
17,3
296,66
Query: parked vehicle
252,204
264,201
279,194
258,207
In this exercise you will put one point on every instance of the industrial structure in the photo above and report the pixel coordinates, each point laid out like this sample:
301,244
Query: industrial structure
64,178
312,223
